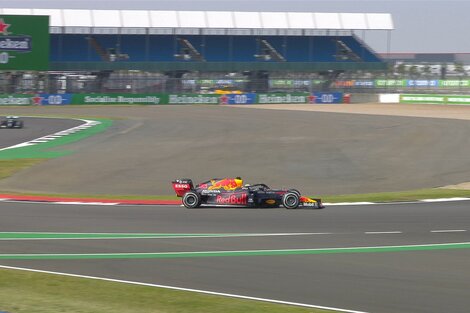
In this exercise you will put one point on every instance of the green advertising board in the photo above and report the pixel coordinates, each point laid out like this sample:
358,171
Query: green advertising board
24,42
390,83
436,99
116,98
13,99
454,83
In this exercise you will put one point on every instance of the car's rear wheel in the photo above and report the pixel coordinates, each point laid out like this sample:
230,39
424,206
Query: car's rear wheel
191,200
291,200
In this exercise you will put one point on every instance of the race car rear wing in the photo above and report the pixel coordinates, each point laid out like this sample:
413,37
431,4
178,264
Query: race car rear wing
181,186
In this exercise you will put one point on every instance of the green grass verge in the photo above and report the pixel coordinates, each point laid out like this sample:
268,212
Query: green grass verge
29,292
410,195
10,167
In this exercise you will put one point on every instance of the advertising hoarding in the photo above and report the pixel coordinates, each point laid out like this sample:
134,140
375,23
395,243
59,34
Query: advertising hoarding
24,42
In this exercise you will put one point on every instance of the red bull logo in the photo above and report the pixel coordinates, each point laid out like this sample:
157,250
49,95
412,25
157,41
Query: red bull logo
232,199
226,184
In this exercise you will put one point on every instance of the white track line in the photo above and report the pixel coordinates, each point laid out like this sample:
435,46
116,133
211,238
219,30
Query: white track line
135,236
51,137
186,289
382,232
449,231
445,199
86,203
348,203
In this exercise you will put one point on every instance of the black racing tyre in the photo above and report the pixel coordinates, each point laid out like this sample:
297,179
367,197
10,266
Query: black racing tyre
294,190
291,200
191,200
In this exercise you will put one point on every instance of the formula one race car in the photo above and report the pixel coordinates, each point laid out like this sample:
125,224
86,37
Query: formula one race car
232,192
11,122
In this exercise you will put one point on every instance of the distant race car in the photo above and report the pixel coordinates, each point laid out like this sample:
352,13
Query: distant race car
11,122
232,192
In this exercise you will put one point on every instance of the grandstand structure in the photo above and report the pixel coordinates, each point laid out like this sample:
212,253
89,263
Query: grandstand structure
178,42
169,38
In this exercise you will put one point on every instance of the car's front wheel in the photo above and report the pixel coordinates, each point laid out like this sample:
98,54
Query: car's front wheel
191,200
291,200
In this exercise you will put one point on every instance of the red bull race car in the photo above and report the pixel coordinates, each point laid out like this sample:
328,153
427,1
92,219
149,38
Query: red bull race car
232,192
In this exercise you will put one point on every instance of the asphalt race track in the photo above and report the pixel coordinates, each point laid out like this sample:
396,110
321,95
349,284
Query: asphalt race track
315,152
34,128
370,281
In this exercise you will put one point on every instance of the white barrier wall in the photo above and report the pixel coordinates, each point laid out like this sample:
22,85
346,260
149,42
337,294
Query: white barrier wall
389,98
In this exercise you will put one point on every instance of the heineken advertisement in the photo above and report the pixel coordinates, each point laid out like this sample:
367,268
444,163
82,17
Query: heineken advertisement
297,97
194,99
120,99
436,99
16,99
24,42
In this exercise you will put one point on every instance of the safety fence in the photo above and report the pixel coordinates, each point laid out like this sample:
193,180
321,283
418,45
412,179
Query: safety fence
158,83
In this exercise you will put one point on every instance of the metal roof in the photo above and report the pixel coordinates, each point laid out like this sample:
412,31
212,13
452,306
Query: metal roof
203,22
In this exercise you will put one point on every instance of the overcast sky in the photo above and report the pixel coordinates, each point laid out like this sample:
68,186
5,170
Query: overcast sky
420,25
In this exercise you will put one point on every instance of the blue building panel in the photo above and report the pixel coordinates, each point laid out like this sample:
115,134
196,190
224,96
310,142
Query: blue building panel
135,46
162,48
214,48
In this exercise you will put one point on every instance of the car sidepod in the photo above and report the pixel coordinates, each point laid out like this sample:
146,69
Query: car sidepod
238,197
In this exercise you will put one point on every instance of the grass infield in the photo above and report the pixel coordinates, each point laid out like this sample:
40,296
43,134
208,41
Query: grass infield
10,167
31,292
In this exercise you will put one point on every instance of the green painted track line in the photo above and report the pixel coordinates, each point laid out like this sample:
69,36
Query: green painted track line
42,150
170,255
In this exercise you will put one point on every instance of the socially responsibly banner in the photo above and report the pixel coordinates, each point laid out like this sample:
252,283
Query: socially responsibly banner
112,98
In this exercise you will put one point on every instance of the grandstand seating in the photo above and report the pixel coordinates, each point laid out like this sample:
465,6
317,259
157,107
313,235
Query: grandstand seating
213,48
